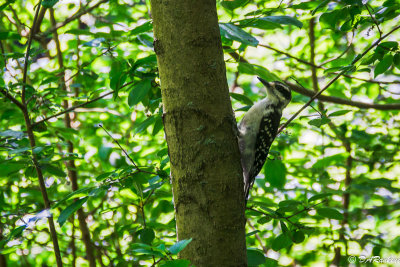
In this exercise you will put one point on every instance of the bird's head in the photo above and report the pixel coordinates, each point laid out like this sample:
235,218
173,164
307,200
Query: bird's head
277,92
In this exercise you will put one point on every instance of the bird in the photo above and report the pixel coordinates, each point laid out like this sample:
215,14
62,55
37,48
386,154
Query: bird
258,128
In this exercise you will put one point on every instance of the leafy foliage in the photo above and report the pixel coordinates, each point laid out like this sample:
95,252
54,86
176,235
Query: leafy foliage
332,178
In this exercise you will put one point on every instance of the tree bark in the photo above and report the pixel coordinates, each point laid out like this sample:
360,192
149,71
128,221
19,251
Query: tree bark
200,128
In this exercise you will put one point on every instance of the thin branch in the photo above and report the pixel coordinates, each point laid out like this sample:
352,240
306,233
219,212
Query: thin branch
374,20
342,54
79,105
91,61
73,17
331,99
26,64
11,98
342,101
265,249
123,150
320,66
335,78
289,55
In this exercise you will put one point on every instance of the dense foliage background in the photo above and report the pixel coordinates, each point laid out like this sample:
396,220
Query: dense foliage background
330,189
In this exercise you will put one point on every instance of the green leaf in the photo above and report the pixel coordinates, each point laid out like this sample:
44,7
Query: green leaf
232,32
319,196
233,4
298,237
145,27
30,172
8,167
275,173
323,4
285,20
339,113
347,26
331,19
259,23
280,242
383,65
396,60
270,262
330,213
252,69
252,233
149,61
319,122
255,257
68,211
387,46
179,246
176,263
284,227
103,176
17,232
19,150
242,98
138,92
74,193
304,5
11,133
54,170
370,59
270,22
333,160
117,76
10,36
158,125
147,236
3,6
49,3
144,125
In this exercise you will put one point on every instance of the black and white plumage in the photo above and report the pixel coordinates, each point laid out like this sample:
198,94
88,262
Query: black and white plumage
258,129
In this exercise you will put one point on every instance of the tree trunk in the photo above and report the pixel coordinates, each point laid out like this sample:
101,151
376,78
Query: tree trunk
200,128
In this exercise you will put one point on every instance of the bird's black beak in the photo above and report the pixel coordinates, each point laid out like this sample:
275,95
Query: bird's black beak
267,84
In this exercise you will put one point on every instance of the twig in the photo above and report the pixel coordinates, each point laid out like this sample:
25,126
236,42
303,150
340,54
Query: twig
73,17
374,20
11,98
28,48
265,249
335,78
313,65
342,54
123,150
91,61
332,99
342,101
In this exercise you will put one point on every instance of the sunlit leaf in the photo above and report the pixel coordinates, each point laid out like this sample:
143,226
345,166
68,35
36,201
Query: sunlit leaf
234,33
179,246
68,211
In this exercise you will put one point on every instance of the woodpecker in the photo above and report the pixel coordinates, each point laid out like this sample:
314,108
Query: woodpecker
258,129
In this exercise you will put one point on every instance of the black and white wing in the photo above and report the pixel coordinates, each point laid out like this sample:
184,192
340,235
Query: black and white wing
266,135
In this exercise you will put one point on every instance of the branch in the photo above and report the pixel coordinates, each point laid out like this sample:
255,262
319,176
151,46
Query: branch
331,99
374,20
335,78
342,101
315,66
79,105
26,64
73,17
11,98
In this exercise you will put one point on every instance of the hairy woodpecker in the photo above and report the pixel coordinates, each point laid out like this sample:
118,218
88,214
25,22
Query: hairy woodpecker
258,128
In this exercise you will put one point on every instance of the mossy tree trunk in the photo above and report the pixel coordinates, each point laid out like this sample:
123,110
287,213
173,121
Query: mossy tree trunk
200,130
